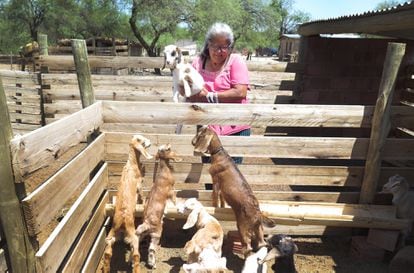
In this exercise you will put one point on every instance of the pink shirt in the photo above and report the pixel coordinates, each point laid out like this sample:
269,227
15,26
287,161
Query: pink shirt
235,72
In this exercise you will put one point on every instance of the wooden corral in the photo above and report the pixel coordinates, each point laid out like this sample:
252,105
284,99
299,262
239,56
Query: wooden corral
312,196
310,185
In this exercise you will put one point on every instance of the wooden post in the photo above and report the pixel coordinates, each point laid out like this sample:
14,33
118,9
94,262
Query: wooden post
80,56
42,39
381,121
20,249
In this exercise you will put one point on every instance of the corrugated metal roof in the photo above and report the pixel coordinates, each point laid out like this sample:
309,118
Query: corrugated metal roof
397,22
400,7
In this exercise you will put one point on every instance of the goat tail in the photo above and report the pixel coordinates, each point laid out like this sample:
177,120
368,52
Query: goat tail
267,221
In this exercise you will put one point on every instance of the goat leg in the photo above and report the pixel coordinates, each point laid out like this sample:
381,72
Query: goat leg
110,240
216,192
259,241
245,240
155,240
135,253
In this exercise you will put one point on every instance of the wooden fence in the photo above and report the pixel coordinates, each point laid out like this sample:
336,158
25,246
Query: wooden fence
312,195
24,100
62,96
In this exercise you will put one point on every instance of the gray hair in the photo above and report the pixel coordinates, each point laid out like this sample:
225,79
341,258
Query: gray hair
217,29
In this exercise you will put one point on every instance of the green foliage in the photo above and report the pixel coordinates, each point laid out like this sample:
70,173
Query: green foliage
153,23
388,4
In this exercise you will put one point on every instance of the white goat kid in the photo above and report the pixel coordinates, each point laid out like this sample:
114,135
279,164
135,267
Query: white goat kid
403,199
208,261
254,264
209,233
184,74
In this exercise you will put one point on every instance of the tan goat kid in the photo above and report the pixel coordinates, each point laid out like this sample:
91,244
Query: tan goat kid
129,191
232,187
161,191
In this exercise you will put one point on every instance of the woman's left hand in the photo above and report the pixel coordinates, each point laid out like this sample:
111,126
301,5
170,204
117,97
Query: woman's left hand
200,97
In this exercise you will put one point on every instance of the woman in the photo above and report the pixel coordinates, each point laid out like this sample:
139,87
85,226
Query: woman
226,77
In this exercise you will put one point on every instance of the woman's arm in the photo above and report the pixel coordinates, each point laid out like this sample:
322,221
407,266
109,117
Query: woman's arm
239,91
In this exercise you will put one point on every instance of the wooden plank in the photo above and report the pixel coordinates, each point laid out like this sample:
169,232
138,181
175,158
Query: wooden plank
266,196
62,107
25,127
161,128
104,80
138,93
381,121
66,63
41,147
22,77
24,109
271,176
273,147
25,118
86,241
41,206
258,146
95,255
300,215
24,99
146,128
57,245
21,90
227,113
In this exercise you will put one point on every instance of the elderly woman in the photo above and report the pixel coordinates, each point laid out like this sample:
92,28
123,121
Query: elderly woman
225,74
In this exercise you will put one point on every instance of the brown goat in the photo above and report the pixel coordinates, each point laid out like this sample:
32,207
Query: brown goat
230,185
162,189
129,191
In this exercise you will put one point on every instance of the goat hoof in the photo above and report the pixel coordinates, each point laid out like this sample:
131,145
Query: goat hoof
151,259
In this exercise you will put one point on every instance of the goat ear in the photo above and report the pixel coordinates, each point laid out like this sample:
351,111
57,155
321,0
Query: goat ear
143,151
273,253
191,219
296,249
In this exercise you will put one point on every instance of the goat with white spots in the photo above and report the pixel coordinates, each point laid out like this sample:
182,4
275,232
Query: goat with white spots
185,76
209,233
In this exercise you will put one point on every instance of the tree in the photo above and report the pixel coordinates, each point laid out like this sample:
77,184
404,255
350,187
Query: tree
289,21
151,18
27,14
388,4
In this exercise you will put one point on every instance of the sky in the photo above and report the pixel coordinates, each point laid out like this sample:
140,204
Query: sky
324,9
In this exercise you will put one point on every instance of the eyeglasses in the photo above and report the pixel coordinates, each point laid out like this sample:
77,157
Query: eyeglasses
220,48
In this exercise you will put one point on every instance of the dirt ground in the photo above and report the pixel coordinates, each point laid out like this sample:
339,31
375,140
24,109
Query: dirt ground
316,255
